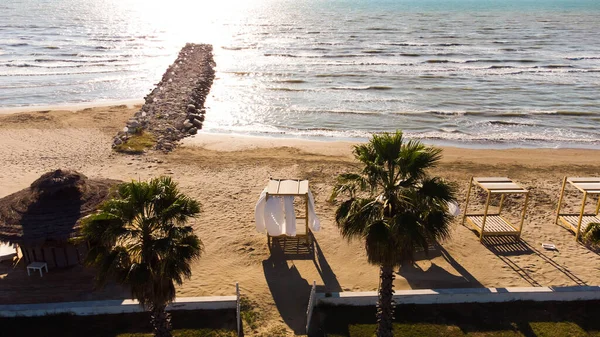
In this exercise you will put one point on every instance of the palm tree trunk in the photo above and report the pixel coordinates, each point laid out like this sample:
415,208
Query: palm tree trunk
385,306
161,321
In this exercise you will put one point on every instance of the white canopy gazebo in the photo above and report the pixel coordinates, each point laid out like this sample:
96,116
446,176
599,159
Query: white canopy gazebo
277,216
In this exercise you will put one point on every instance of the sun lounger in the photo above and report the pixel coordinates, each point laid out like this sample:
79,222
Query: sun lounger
578,222
486,223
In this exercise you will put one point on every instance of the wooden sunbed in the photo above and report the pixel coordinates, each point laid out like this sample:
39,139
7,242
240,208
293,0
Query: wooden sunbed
488,224
578,222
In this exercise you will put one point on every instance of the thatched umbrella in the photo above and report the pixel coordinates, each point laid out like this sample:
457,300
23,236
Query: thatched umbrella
49,212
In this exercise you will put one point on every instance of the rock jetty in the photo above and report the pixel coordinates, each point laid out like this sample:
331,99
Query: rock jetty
175,108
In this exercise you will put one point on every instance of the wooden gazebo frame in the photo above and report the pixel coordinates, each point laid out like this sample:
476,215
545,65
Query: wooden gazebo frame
295,188
490,224
573,221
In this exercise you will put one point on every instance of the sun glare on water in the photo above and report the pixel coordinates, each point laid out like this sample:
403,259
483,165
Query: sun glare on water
199,21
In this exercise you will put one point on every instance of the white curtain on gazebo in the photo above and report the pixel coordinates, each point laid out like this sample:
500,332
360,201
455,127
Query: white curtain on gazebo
276,216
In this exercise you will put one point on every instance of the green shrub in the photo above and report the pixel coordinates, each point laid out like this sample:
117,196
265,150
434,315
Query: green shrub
248,312
591,236
137,143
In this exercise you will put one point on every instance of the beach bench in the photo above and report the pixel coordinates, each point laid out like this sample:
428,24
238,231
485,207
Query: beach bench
578,222
493,223
36,266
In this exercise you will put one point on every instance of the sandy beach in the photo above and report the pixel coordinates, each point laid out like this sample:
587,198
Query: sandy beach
226,174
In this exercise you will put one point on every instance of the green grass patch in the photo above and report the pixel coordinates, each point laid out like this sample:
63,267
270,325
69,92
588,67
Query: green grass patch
188,323
137,143
248,312
188,333
513,319
538,329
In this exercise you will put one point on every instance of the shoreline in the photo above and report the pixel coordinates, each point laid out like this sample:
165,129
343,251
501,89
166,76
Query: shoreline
70,106
278,138
525,156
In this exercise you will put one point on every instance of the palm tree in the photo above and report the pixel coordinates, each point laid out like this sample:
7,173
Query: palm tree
395,207
140,238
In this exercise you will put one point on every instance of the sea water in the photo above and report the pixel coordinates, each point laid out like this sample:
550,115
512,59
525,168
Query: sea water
466,72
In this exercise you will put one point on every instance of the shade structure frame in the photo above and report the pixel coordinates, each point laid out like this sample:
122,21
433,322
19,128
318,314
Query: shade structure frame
578,222
497,225
294,188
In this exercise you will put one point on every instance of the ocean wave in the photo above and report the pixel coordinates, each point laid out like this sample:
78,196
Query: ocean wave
75,61
440,61
60,54
575,113
341,75
431,76
369,87
406,44
524,138
240,73
285,89
67,73
501,61
350,112
508,123
449,135
555,66
279,55
583,58
381,29
419,44
290,81
21,65
584,71
508,114
237,47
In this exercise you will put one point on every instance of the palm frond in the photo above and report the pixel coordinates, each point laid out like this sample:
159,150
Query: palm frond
140,238
348,183
437,190
404,210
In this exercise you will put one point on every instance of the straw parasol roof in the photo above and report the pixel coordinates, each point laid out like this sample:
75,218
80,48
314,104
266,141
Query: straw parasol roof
51,208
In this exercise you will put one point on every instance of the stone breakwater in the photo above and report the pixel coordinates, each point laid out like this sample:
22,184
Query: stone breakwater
175,108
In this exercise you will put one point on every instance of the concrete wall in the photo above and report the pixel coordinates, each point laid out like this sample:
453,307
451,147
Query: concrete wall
113,306
467,295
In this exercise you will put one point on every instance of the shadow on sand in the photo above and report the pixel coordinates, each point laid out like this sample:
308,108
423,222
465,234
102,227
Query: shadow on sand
75,283
289,289
507,247
436,276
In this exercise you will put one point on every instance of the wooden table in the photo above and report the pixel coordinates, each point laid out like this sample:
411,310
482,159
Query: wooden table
37,266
